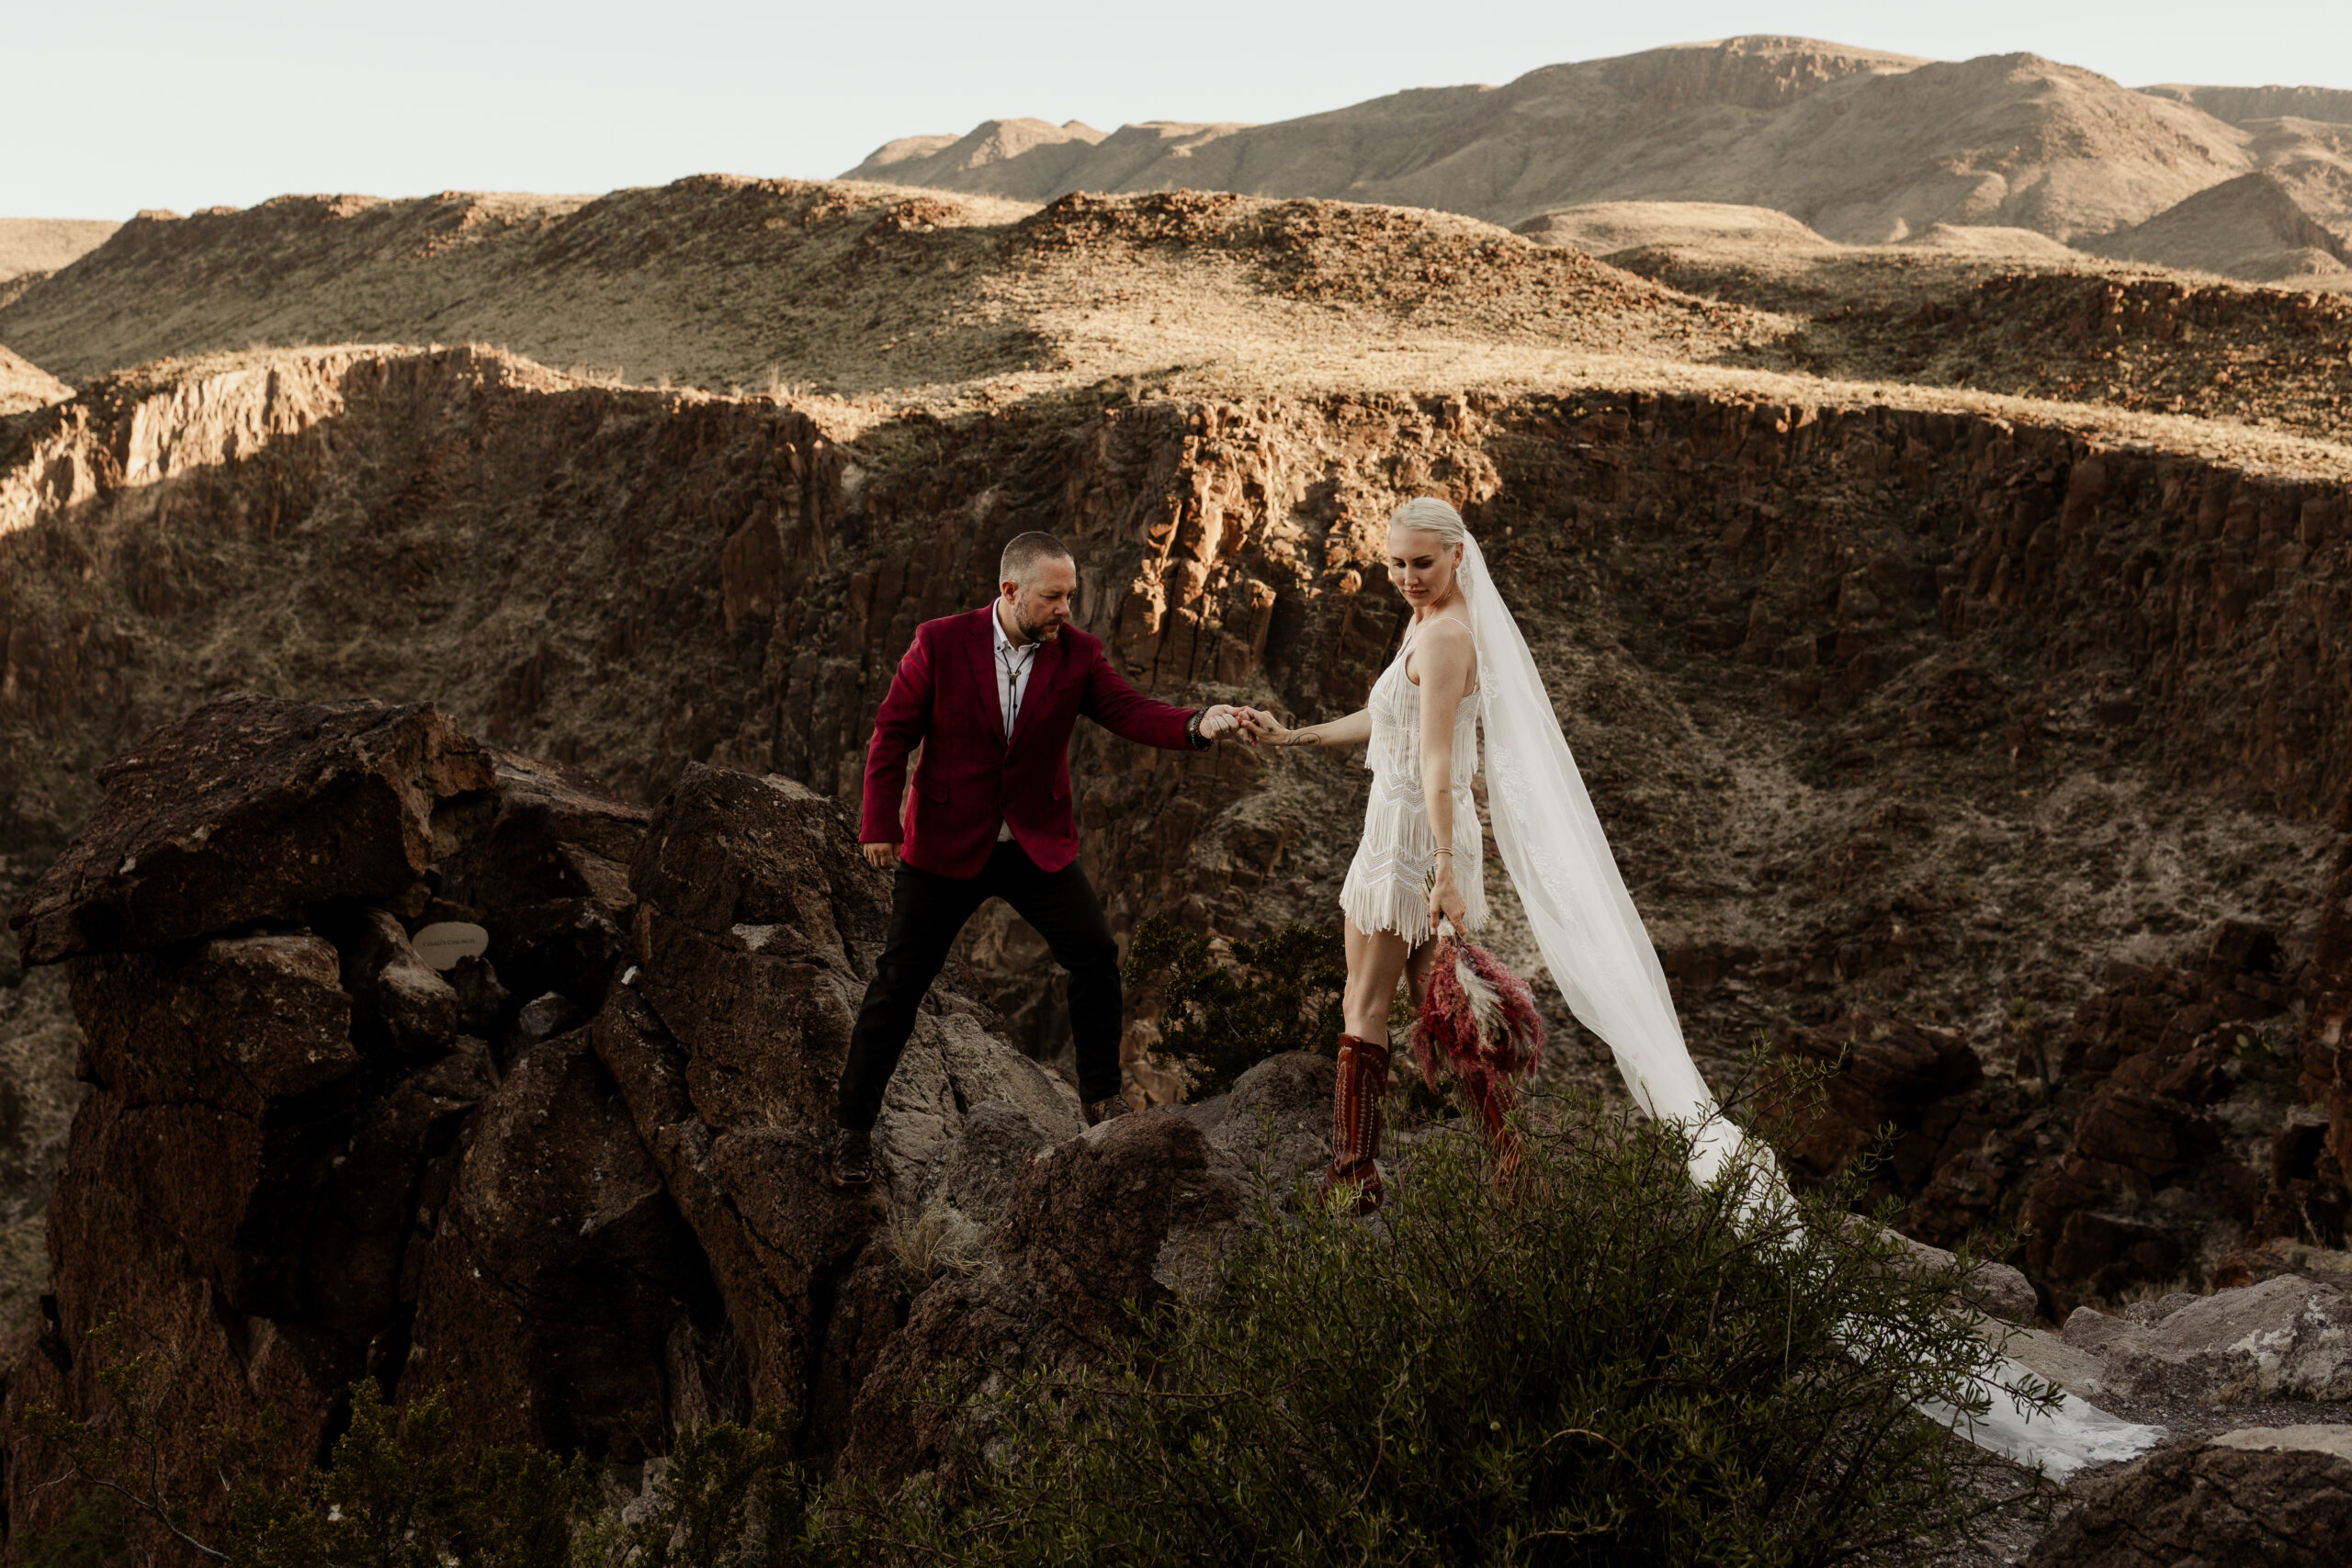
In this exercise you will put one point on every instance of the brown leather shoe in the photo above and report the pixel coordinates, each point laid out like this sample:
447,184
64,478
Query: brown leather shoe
853,1162
1106,1109
1355,1122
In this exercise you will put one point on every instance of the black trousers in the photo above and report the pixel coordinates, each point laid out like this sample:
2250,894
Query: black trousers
927,912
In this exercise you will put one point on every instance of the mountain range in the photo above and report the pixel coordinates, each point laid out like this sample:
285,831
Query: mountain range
1865,147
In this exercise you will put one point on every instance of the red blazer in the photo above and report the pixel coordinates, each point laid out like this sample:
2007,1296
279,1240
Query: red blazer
945,698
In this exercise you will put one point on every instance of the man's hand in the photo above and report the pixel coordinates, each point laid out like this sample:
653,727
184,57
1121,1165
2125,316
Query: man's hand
1220,721
881,857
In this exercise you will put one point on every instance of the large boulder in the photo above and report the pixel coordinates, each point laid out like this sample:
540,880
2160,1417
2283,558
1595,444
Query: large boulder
2285,1339
1132,1215
249,808
756,926
562,1301
283,1094
2277,1497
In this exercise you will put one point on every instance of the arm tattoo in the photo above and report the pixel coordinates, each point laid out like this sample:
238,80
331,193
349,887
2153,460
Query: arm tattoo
1302,738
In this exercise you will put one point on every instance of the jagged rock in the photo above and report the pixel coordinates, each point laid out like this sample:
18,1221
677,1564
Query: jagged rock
1276,1118
249,808
756,909
1134,1210
402,1006
542,863
560,1279
362,1264
1991,1286
951,1064
996,1143
2284,1339
2281,1497
1884,1072
188,1194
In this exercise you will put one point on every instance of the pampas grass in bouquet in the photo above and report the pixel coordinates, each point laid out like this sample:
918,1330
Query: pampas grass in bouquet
1480,1019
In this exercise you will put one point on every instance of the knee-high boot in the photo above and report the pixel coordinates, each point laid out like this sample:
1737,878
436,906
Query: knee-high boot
1355,1121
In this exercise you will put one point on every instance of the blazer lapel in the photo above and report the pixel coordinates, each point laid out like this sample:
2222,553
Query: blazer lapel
1042,670
984,666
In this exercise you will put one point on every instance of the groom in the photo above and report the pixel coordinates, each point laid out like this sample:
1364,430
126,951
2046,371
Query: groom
991,696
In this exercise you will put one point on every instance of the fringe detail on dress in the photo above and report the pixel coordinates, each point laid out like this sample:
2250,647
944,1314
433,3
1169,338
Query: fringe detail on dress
1396,904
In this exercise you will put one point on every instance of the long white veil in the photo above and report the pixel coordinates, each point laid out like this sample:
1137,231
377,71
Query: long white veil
1600,955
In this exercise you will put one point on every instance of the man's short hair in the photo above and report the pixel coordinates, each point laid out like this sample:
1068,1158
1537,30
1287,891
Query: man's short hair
1025,553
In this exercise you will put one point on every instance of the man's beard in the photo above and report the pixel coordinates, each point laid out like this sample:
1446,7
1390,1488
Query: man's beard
1037,631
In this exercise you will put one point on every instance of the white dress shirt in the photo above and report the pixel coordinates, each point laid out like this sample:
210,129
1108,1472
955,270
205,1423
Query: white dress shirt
1012,664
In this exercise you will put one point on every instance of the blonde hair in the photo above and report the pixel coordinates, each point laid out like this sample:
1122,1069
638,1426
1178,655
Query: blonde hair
1431,515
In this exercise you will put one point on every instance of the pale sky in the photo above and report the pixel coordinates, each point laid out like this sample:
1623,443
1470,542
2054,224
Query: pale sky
197,103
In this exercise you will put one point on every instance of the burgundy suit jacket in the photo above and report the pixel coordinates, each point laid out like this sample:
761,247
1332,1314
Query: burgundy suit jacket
945,698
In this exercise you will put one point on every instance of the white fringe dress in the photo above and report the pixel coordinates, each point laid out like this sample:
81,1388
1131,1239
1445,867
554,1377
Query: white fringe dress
1387,887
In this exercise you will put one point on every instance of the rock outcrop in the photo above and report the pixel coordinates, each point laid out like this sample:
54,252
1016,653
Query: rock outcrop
573,1178
2279,1496
2286,1338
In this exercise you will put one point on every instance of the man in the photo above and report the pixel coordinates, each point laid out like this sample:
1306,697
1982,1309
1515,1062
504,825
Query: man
992,695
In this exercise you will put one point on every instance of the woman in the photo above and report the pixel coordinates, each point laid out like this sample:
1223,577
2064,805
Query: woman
1421,832
1418,859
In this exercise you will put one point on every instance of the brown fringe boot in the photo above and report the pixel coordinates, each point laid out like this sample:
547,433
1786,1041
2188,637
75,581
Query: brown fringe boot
1355,1121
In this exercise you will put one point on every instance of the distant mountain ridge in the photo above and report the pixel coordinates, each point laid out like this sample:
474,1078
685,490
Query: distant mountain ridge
1865,147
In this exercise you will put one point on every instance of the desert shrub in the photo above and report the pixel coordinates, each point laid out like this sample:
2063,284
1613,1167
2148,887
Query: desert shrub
398,1494
934,1242
1220,1019
1605,1364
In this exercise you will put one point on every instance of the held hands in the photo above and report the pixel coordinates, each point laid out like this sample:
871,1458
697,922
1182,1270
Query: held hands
1252,725
1262,729
1220,721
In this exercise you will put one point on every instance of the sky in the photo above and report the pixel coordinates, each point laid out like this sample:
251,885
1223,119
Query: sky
198,103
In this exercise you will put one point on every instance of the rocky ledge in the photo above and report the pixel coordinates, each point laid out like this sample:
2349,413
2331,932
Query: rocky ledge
573,1179
412,1059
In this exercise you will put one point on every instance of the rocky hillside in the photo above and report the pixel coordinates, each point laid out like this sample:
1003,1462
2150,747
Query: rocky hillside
1867,148
849,290
37,246
25,386
572,1180
2249,227
1895,713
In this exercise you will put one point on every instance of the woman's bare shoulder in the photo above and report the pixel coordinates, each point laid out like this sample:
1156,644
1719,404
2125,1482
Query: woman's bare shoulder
1443,645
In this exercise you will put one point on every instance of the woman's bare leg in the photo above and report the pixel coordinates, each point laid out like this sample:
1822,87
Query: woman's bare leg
1375,961
1417,972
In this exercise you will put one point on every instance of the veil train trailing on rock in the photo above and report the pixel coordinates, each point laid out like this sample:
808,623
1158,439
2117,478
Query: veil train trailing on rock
1599,954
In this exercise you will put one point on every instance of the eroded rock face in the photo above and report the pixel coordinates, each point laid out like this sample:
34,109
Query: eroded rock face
1133,1211
249,808
561,1298
2276,1497
283,1097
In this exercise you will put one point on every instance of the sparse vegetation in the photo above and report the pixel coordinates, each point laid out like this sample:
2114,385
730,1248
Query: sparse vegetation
935,1241
1221,1017
1604,1364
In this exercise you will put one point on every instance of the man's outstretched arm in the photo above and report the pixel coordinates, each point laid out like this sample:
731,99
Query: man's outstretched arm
898,729
1118,708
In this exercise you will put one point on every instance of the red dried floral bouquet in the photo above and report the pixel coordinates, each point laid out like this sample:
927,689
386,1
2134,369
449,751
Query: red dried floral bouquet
1480,1018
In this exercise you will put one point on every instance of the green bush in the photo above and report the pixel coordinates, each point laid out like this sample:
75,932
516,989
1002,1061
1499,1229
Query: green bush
396,1493
1220,1019
1603,1365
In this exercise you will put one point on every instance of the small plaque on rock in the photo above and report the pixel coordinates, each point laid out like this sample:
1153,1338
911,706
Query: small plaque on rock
443,945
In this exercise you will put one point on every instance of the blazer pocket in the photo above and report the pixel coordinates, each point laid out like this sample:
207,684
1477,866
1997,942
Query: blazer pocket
933,789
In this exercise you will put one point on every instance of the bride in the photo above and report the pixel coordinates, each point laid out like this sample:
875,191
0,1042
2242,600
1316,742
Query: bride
1420,860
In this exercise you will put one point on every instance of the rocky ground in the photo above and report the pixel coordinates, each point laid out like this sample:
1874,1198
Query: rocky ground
1980,737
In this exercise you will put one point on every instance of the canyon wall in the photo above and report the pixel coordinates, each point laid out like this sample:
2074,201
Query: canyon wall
1917,714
